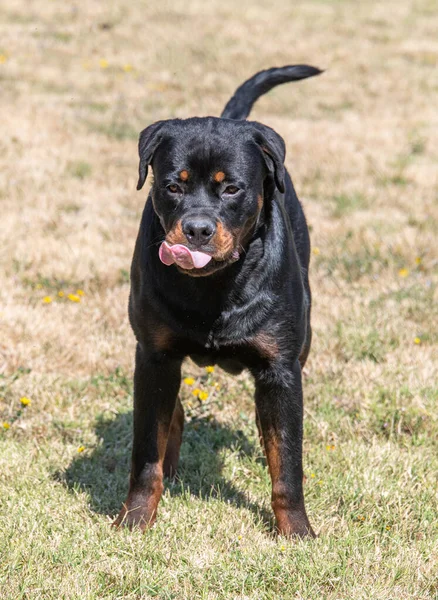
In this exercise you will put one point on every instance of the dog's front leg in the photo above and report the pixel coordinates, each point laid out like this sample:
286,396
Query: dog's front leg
279,401
156,383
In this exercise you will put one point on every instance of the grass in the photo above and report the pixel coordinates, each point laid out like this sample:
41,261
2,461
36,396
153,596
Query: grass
361,146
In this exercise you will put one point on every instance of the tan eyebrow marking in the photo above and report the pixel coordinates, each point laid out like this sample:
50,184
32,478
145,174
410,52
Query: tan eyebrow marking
219,176
184,175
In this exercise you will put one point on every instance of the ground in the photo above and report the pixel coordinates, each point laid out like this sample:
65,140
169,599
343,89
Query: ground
79,81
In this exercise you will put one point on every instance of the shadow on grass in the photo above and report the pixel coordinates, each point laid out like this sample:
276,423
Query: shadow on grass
103,474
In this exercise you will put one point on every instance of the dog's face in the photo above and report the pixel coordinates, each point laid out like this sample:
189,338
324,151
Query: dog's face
209,176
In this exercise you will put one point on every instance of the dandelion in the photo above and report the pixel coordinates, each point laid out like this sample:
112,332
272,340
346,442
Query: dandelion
25,401
403,272
103,64
189,380
203,396
417,340
418,260
196,392
61,294
239,537
81,449
209,369
6,425
282,548
74,298
47,300
80,292
312,475
316,250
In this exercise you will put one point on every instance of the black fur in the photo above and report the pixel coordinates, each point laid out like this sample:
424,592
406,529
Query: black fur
252,313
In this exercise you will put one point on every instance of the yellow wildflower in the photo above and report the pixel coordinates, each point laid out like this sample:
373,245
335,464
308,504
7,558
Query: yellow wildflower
3,58
203,396
417,340
81,448
47,299
388,527
403,272
209,369
189,380
312,475
80,292
73,298
196,391
316,250
128,68
103,64
25,401
61,294
6,425
282,548
418,260
217,386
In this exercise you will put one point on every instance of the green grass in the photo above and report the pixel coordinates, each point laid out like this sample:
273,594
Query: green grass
371,491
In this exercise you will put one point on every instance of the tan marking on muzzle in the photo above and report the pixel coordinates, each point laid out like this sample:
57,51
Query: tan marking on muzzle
176,235
260,202
184,175
219,176
223,241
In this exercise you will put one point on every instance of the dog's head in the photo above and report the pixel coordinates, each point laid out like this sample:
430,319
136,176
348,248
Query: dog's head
209,182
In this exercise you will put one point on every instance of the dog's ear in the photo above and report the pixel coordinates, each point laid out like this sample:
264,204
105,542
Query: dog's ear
274,151
149,141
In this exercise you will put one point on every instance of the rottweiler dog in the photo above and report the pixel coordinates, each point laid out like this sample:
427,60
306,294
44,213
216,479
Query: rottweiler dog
220,274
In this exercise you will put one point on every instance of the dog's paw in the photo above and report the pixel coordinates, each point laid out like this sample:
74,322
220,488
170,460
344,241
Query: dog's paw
137,517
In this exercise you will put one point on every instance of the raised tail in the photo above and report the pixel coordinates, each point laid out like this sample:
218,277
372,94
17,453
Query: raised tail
239,106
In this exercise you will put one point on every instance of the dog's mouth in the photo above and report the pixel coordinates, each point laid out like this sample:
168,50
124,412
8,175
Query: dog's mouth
193,261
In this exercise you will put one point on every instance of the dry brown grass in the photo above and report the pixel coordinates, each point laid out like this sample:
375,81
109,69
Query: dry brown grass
78,83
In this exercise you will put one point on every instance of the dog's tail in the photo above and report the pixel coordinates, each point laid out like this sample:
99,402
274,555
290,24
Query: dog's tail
239,106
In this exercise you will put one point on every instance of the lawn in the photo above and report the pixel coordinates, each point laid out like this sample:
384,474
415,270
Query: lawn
79,81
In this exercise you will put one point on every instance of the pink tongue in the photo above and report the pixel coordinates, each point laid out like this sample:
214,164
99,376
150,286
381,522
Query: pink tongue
182,256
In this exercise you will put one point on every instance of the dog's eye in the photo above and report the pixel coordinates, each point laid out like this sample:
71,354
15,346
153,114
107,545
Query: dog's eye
173,188
231,190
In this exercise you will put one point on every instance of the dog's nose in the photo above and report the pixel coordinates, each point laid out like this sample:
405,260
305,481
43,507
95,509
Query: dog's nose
199,230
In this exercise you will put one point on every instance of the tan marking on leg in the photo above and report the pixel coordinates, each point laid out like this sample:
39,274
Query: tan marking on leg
260,202
171,458
140,508
184,175
290,520
162,337
219,176
266,345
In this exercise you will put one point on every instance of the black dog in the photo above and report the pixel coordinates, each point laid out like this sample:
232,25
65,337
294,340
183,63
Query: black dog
220,274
